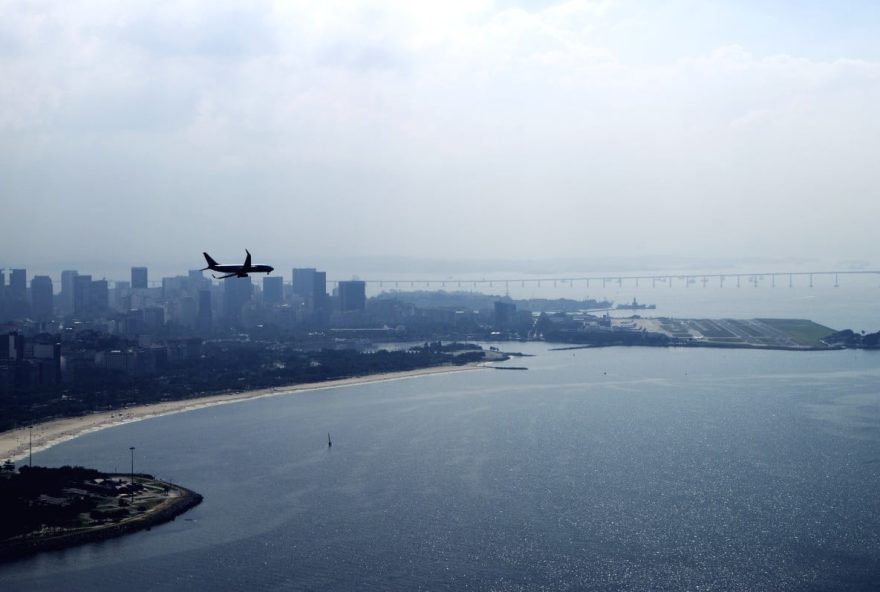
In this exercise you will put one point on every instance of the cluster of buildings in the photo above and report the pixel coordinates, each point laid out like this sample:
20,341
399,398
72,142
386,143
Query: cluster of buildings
54,333
42,323
190,304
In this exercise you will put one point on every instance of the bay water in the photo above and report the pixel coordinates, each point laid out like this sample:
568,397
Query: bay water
596,469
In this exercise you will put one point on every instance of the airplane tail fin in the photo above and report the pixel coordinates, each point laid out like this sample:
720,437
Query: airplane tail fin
211,262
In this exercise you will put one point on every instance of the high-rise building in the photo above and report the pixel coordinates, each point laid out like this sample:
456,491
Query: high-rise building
120,296
100,296
319,292
67,290
304,282
133,322
18,285
154,318
197,281
311,285
273,290
82,294
174,287
187,311
236,293
205,315
139,278
41,297
352,295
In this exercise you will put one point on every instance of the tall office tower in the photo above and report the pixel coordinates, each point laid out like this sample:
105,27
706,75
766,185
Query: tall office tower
41,297
352,296
319,292
67,290
304,283
133,322
311,285
273,290
197,281
236,293
13,298
82,295
100,296
18,285
203,320
2,284
187,312
139,278
120,296
154,319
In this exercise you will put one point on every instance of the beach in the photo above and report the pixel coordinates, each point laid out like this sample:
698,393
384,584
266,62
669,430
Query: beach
16,444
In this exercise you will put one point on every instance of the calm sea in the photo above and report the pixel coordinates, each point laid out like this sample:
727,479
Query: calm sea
608,469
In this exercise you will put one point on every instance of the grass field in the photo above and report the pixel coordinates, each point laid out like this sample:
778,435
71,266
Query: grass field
801,330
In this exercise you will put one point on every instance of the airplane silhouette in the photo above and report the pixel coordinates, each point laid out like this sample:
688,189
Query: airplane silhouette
235,270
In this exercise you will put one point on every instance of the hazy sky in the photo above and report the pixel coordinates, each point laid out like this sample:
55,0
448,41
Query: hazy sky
146,130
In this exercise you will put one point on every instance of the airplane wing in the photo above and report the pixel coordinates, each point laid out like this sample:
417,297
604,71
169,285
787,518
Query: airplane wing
223,277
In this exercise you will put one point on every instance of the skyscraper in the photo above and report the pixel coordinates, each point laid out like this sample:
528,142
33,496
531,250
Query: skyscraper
18,285
82,295
311,285
319,292
197,281
67,290
273,290
41,297
154,318
352,296
236,293
120,296
138,278
100,296
304,283
205,314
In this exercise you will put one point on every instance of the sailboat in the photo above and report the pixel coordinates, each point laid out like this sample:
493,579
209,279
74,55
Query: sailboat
329,441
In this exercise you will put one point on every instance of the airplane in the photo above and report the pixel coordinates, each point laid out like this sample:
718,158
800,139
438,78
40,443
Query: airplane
236,270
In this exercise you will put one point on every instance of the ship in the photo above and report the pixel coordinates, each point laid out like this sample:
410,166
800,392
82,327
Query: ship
636,306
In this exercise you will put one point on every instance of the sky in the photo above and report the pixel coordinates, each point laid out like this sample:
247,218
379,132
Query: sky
145,131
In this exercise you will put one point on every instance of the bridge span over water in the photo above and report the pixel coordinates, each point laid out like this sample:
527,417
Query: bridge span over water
770,279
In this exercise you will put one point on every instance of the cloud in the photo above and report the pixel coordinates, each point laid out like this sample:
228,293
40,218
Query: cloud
212,31
497,119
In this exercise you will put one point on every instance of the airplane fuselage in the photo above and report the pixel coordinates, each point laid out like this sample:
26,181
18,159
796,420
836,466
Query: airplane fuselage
241,268
236,270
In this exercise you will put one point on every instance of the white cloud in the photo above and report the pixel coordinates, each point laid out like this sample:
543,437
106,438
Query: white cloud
429,116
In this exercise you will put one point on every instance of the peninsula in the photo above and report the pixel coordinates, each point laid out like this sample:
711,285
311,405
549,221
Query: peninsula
53,508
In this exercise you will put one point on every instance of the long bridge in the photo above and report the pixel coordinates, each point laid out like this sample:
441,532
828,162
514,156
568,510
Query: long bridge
754,279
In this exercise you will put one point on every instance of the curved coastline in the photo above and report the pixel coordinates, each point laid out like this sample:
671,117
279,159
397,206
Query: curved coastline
15,444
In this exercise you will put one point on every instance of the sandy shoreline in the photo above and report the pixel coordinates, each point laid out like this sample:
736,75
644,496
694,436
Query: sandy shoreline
14,444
